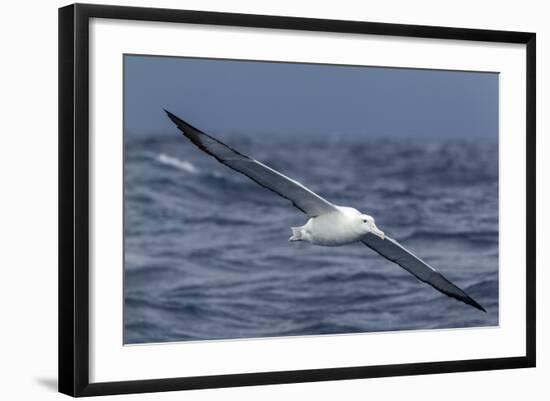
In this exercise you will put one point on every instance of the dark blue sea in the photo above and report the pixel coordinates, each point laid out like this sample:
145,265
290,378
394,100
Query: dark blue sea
207,253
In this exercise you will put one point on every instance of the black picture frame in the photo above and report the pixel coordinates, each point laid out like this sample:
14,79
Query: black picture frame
74,191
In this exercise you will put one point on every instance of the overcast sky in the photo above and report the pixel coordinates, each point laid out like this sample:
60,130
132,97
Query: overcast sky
258,98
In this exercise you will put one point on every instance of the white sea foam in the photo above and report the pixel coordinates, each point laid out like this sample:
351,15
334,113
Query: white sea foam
177,163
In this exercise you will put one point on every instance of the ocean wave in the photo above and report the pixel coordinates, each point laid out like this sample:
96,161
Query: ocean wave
207,257
485,236
183,165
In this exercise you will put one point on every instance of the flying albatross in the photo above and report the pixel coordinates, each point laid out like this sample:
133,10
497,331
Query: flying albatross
328,224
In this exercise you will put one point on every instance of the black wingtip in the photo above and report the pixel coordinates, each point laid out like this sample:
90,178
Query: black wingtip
184,126
173,117
478,306
472,302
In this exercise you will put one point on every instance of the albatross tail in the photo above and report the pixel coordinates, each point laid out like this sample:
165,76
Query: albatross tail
297,234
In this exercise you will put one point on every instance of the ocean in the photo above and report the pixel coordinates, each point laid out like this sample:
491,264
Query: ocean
207,254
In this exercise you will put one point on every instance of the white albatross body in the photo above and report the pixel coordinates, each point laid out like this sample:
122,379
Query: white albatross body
343,226
328,224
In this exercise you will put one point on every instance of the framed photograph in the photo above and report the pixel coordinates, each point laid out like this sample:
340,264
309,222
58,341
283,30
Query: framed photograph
251,199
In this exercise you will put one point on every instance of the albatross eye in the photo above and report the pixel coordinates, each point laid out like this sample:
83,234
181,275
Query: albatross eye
364,220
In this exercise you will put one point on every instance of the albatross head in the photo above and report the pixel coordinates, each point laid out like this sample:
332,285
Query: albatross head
367,226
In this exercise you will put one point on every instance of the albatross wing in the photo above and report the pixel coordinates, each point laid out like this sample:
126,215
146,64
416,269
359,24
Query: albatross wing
394,251
307,201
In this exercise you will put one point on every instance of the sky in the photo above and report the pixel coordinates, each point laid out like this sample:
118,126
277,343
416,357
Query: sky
266,98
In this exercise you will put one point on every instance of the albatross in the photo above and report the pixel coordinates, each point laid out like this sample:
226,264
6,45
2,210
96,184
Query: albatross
328,224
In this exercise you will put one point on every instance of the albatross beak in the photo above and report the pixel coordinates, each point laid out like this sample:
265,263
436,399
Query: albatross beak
376,231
